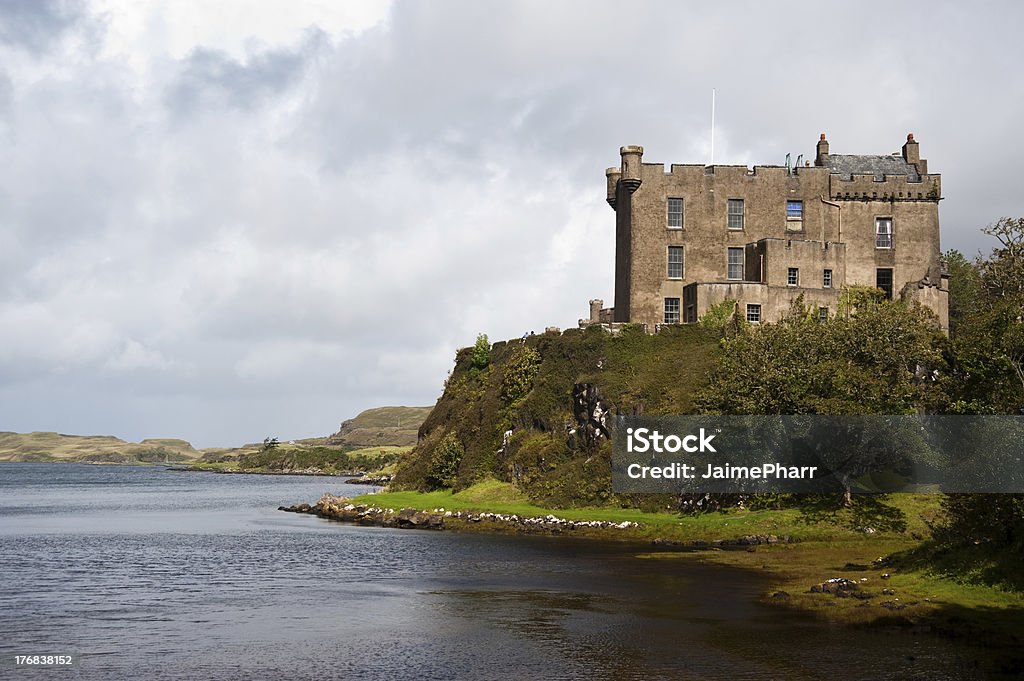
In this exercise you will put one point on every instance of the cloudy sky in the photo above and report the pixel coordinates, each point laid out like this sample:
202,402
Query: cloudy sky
223,220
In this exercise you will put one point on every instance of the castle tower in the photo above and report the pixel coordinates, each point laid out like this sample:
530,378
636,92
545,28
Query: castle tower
629,180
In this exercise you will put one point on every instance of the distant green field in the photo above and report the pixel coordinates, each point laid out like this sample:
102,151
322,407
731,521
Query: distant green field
41,446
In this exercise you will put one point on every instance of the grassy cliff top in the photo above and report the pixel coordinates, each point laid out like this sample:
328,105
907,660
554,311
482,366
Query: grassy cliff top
381,426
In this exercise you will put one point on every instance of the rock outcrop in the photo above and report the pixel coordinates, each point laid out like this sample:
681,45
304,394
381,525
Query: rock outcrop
842,588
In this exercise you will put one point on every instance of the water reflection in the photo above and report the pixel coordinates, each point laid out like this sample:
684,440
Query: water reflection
163,575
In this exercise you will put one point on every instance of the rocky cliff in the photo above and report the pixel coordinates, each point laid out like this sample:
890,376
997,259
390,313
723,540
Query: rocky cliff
537,411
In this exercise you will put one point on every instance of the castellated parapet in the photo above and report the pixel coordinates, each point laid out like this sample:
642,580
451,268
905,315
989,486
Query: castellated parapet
692,236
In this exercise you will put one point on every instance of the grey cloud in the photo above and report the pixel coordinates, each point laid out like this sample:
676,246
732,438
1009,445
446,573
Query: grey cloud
234,248
34,25
211,77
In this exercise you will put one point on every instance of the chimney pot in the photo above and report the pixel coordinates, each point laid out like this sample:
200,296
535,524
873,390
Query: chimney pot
822,138
910,137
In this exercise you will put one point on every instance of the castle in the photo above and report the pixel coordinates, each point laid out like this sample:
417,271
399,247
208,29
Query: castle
695,236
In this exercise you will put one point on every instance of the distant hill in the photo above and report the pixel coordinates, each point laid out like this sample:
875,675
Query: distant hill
91,448
382,426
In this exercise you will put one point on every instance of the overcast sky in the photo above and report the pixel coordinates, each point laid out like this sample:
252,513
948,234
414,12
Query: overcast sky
225,220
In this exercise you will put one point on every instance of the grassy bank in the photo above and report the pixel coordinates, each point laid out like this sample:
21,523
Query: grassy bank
380,460
828,543
903,517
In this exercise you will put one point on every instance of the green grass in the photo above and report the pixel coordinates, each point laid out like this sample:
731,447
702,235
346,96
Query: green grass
803,524
921,595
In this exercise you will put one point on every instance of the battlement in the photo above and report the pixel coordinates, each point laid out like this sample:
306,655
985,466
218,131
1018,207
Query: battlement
885,187
689,172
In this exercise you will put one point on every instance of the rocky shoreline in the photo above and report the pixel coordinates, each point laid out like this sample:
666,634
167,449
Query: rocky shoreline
342,508
370,479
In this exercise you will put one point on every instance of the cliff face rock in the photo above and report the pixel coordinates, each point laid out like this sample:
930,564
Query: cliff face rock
383,426
593,415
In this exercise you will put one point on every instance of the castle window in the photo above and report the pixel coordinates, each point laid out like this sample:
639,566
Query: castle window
675,262
671,310
883,232
735,272
793,276
753,313
794,210
826,279
822,314
735,213
883,280
675,213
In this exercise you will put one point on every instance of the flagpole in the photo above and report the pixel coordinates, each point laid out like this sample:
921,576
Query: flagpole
712,126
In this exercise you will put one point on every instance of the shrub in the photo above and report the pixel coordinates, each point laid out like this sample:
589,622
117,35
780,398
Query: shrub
444,461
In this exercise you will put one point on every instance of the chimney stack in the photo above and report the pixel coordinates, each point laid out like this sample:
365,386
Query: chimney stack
911,152
822,158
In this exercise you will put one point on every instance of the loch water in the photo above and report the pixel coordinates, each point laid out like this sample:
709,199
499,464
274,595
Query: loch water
151,573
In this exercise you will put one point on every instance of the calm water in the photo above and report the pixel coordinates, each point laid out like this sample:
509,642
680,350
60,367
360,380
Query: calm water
154,574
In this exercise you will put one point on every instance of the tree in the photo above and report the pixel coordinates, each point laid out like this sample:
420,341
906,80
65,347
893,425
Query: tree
445,460
987,324
877,357
480,355
1003,271
965,290
987,336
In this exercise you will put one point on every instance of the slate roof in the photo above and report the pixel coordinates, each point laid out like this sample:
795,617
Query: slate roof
857,164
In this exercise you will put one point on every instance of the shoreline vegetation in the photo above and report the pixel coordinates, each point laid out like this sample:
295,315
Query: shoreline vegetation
365,465
858,566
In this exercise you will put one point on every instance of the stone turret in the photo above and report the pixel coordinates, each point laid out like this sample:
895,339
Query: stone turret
632,157
612,175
